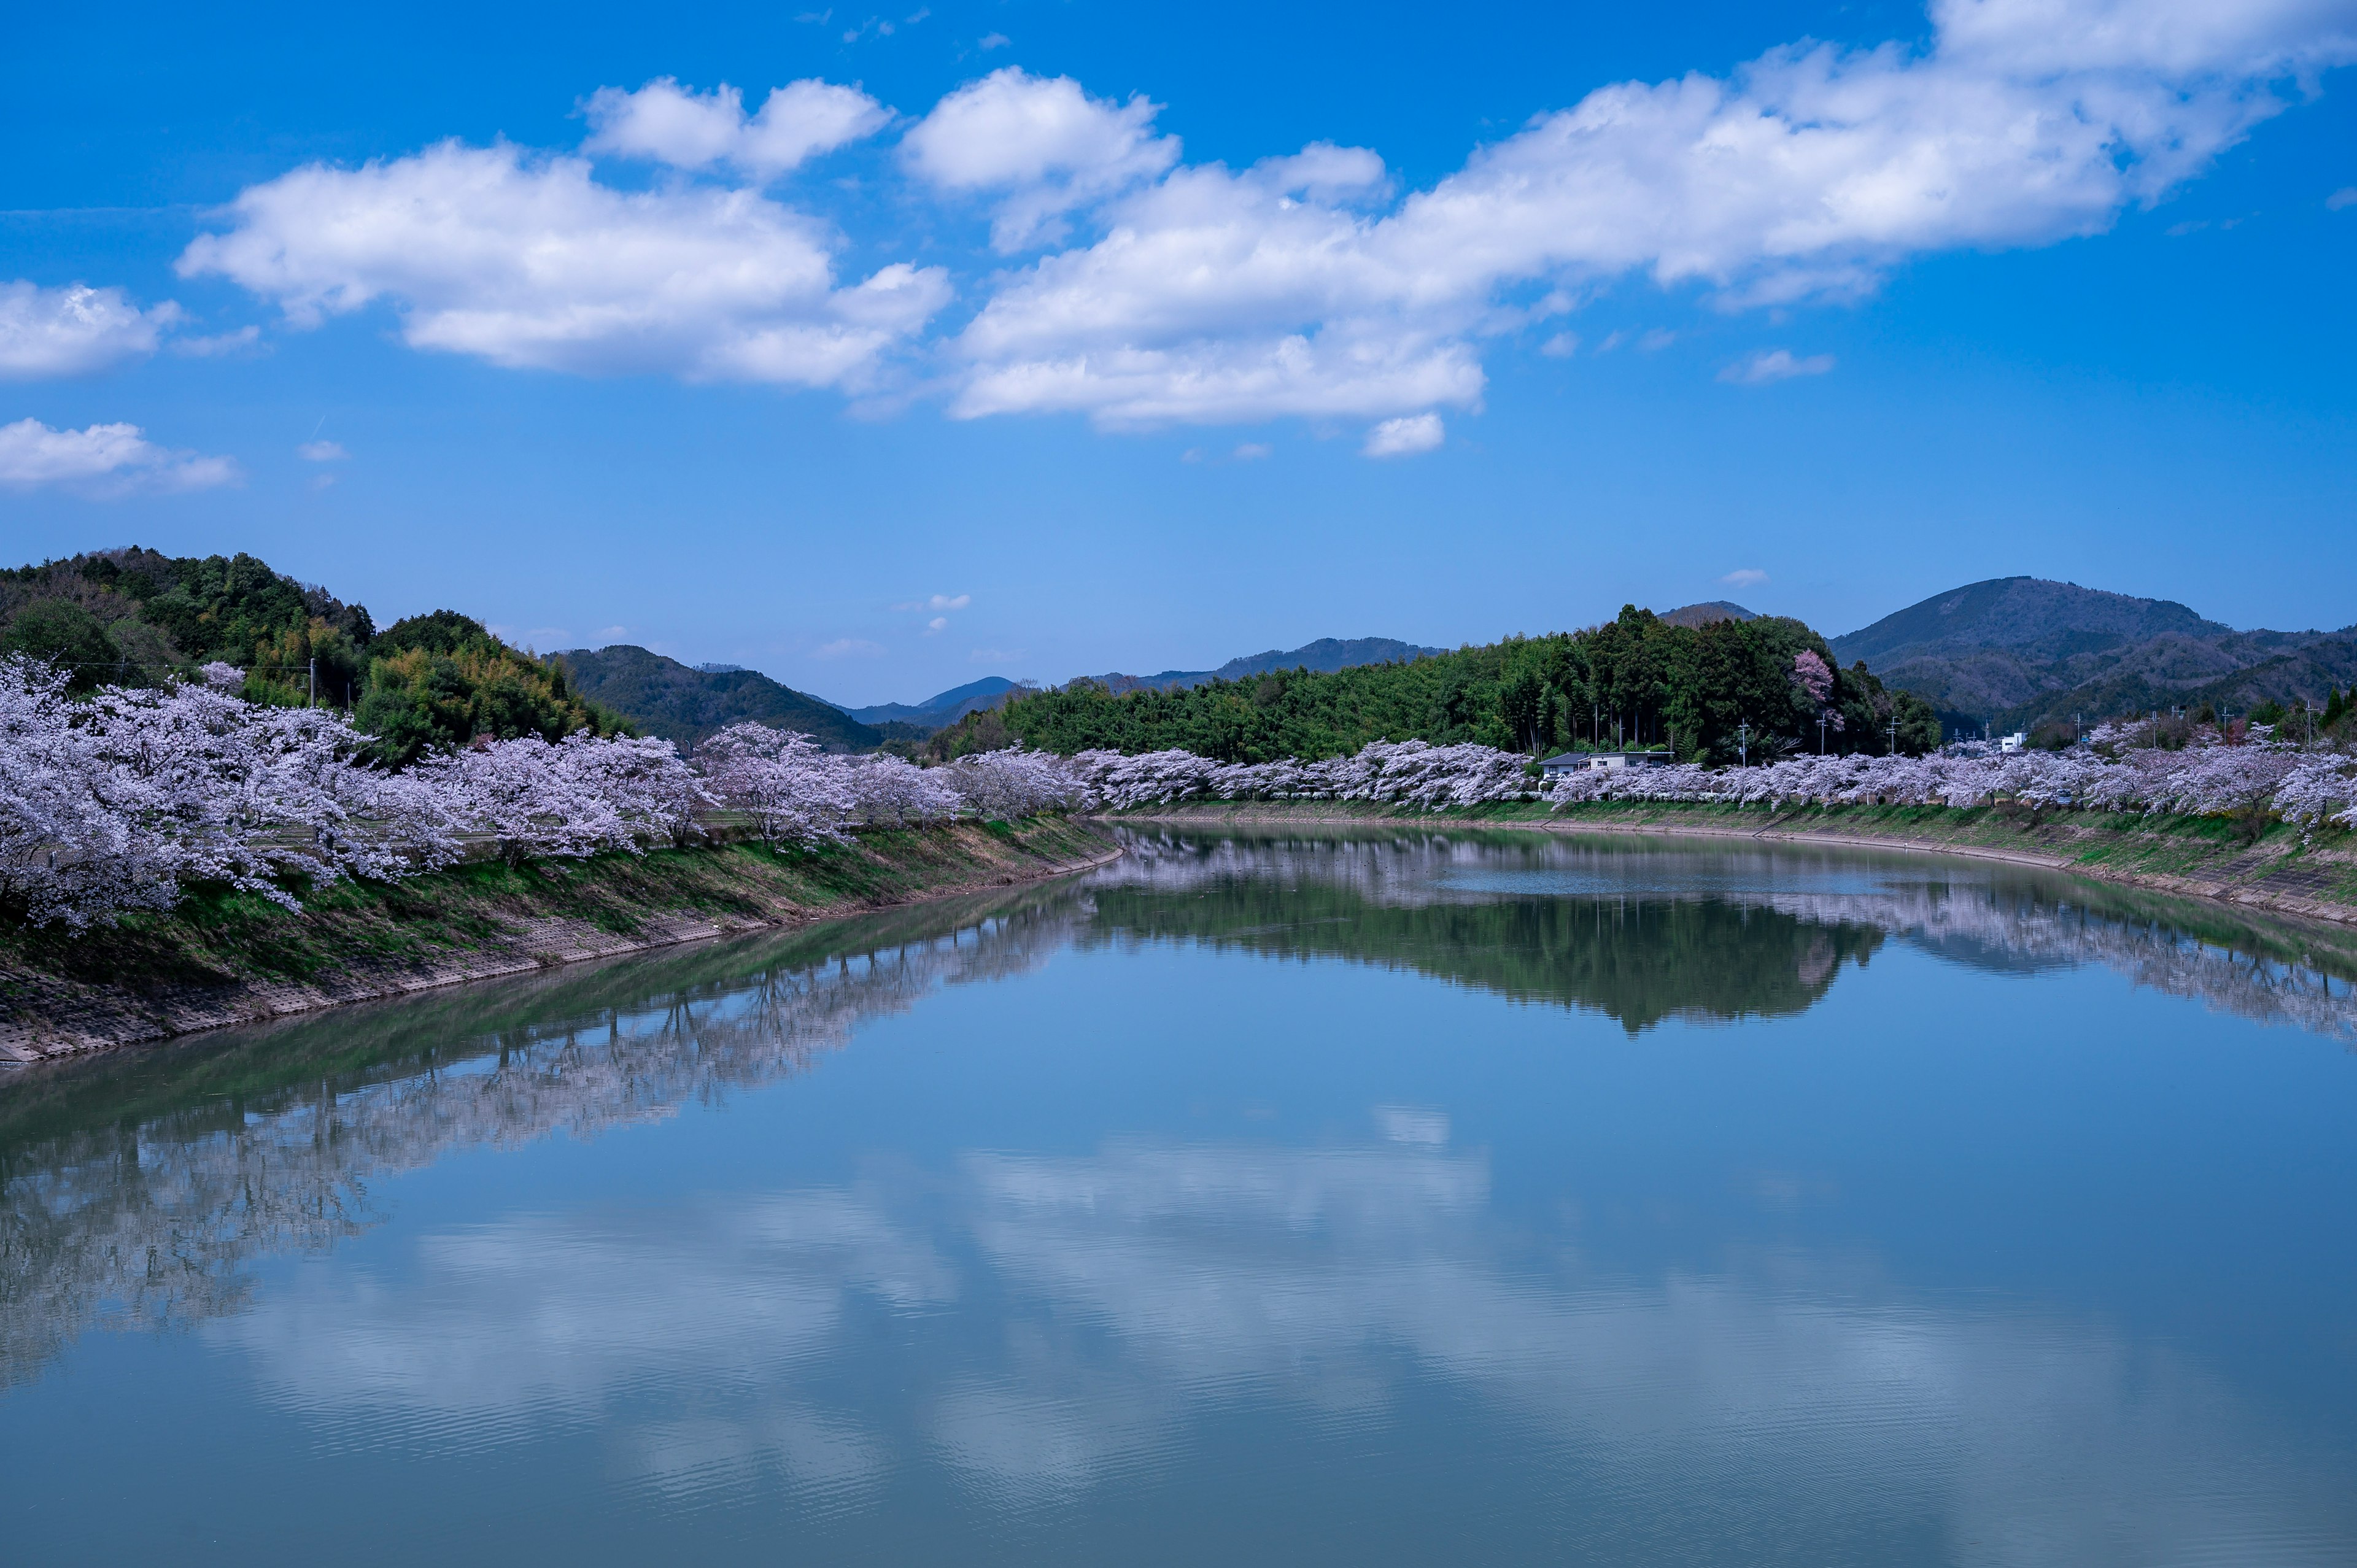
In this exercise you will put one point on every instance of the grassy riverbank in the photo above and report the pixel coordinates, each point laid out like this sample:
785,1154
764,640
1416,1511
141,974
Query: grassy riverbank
224,957
2281,869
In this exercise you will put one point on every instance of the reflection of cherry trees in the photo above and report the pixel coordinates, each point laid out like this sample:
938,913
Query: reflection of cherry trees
152,1225
1098,1305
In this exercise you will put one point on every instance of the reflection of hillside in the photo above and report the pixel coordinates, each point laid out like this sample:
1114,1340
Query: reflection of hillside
136,1190
1637,960
1643,929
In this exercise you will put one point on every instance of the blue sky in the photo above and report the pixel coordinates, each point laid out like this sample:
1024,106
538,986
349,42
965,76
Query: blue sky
1037,339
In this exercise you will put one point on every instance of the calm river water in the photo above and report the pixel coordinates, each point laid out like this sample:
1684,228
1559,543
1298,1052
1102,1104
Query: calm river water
1408,1198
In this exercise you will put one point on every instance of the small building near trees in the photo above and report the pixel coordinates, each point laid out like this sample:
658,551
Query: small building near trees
1581,762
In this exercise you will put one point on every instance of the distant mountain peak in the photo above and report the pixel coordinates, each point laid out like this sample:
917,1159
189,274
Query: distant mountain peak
1706,612
1325,656
2021,651
682,704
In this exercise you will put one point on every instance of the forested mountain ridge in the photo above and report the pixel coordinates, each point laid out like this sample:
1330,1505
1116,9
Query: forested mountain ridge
941,708
666,698
1323,656
2017,652
138,617
1713,691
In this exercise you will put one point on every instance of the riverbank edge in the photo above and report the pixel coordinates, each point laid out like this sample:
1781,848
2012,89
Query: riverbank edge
2284,871
45,1014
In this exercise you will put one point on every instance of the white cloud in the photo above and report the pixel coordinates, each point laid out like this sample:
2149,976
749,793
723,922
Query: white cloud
1040,143
221,345
322,452
73,330
1775,365
849,648
996,656
994,42
529,263
1406,436
103,460
1218,296
2345,197
938,624
1562,346
670,124
1302,286
1252,451
1745,578
938,602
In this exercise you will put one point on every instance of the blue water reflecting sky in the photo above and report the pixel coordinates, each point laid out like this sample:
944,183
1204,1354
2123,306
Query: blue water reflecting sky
1124,1222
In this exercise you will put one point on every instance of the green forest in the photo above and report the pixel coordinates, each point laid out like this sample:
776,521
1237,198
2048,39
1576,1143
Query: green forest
137,617
1708,693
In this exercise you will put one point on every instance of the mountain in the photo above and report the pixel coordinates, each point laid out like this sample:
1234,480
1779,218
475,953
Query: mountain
429,683
1324,656
1709,611
666,698
2017,651
941,708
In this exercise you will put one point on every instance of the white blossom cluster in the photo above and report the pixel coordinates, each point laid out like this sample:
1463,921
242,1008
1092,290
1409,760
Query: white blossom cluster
1409,772
2309,788
115,802
2304,787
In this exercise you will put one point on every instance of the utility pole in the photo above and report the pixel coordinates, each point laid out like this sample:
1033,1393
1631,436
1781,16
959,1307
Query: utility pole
313,701
1894,734
1821,734
1743,744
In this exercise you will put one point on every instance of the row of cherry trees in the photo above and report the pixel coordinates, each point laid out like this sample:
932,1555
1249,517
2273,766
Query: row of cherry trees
117,802
1406,773
2309,788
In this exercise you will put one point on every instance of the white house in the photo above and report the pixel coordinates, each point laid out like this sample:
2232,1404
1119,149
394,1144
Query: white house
1579,762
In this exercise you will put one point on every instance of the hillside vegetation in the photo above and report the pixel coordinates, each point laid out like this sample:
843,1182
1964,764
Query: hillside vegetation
2019,652
1706,691
663,697
136,618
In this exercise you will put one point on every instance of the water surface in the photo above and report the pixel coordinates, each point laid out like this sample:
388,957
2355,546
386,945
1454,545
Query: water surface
1376,1197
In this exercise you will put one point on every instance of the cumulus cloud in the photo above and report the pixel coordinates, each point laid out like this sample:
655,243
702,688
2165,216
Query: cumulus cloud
1303,286
1252,451
529,263
1745,578
73,330
220,344
1040,144
849,648
1215,295
1775,365
1404,436
101,460
938,602
937,625
2345,197
322,452
672,125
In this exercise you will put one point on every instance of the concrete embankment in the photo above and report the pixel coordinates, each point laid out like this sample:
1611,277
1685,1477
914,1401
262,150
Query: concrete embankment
2280,869
222,959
